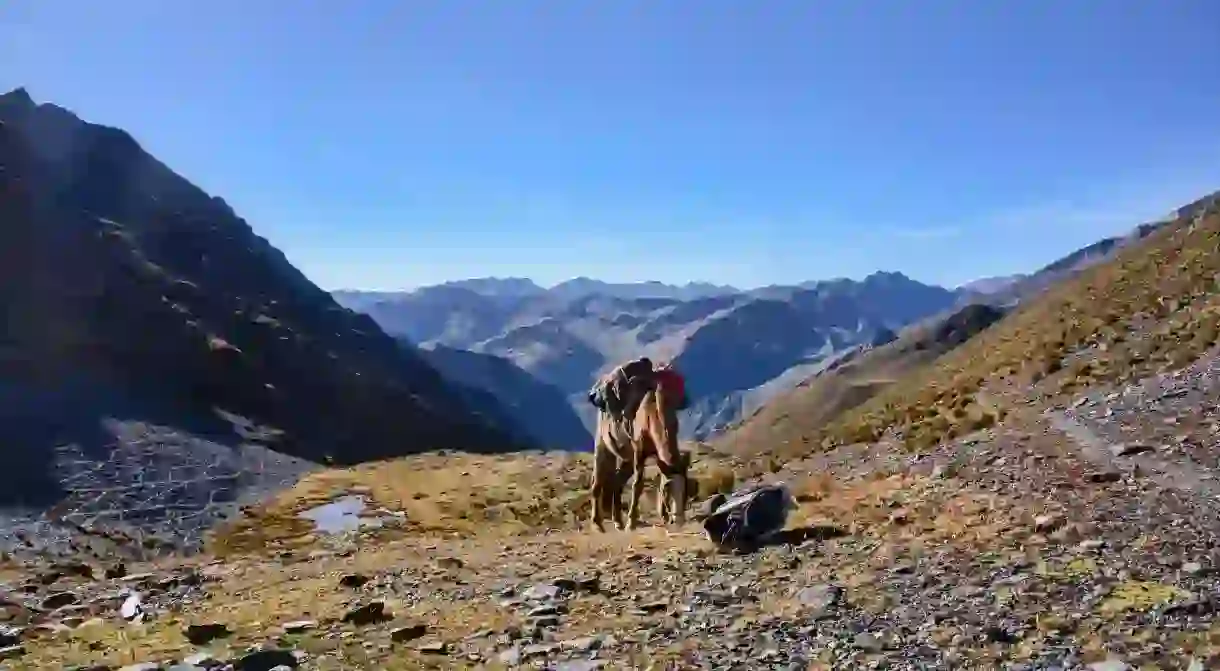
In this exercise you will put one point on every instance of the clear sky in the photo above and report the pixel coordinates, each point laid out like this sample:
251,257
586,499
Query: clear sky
389,144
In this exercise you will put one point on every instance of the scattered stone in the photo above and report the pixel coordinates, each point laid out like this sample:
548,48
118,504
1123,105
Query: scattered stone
143,666
132,608
12,651
434,648
868,642
583,644
1110,665
203,660
76,568
202,634
115,571
10,635
1047,523
820,598
299,626
511,656
542,592
266,660
1130,449
589,583
408,633
1103,477
365,614
58,600
353,581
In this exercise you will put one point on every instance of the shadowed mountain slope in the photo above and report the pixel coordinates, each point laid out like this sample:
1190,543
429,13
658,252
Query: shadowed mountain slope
541,409
127,289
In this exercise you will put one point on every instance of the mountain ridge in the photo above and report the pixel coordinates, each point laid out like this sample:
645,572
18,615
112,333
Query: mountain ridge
771,335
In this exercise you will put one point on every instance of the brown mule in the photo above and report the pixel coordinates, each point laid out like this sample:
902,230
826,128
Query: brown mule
622,450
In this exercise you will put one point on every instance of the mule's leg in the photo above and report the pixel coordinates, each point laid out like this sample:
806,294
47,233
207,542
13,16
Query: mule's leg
663,493
637,490
677,491
615,494
597,487
595,501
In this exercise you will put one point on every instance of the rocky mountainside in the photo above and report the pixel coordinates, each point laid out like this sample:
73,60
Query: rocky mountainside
130,295
851,378
732,345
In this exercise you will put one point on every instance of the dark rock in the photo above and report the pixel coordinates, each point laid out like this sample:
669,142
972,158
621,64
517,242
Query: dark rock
202,634
75,568
369,613
202,660
353,581
59,600
266,660
408,633
995,634
1130,449
10,635
299,626
434,648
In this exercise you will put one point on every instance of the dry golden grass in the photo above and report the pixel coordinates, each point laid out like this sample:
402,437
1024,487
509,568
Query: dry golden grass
455,495
1154,306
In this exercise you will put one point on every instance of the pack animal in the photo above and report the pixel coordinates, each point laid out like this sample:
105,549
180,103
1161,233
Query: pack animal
625,444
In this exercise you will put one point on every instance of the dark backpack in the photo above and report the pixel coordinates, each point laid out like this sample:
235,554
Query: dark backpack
748,517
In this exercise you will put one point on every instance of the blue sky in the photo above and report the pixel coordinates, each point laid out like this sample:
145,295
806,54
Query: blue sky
387,144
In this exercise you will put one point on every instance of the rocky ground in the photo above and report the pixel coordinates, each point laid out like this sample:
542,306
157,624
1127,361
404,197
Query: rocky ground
148,490
1079,537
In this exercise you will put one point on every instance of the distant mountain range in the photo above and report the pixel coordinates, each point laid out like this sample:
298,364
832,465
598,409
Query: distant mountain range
738,348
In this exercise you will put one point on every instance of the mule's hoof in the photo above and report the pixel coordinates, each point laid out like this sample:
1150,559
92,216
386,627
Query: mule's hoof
632,526
598,526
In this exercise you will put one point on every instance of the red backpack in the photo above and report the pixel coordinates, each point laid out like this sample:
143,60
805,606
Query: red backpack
673,384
